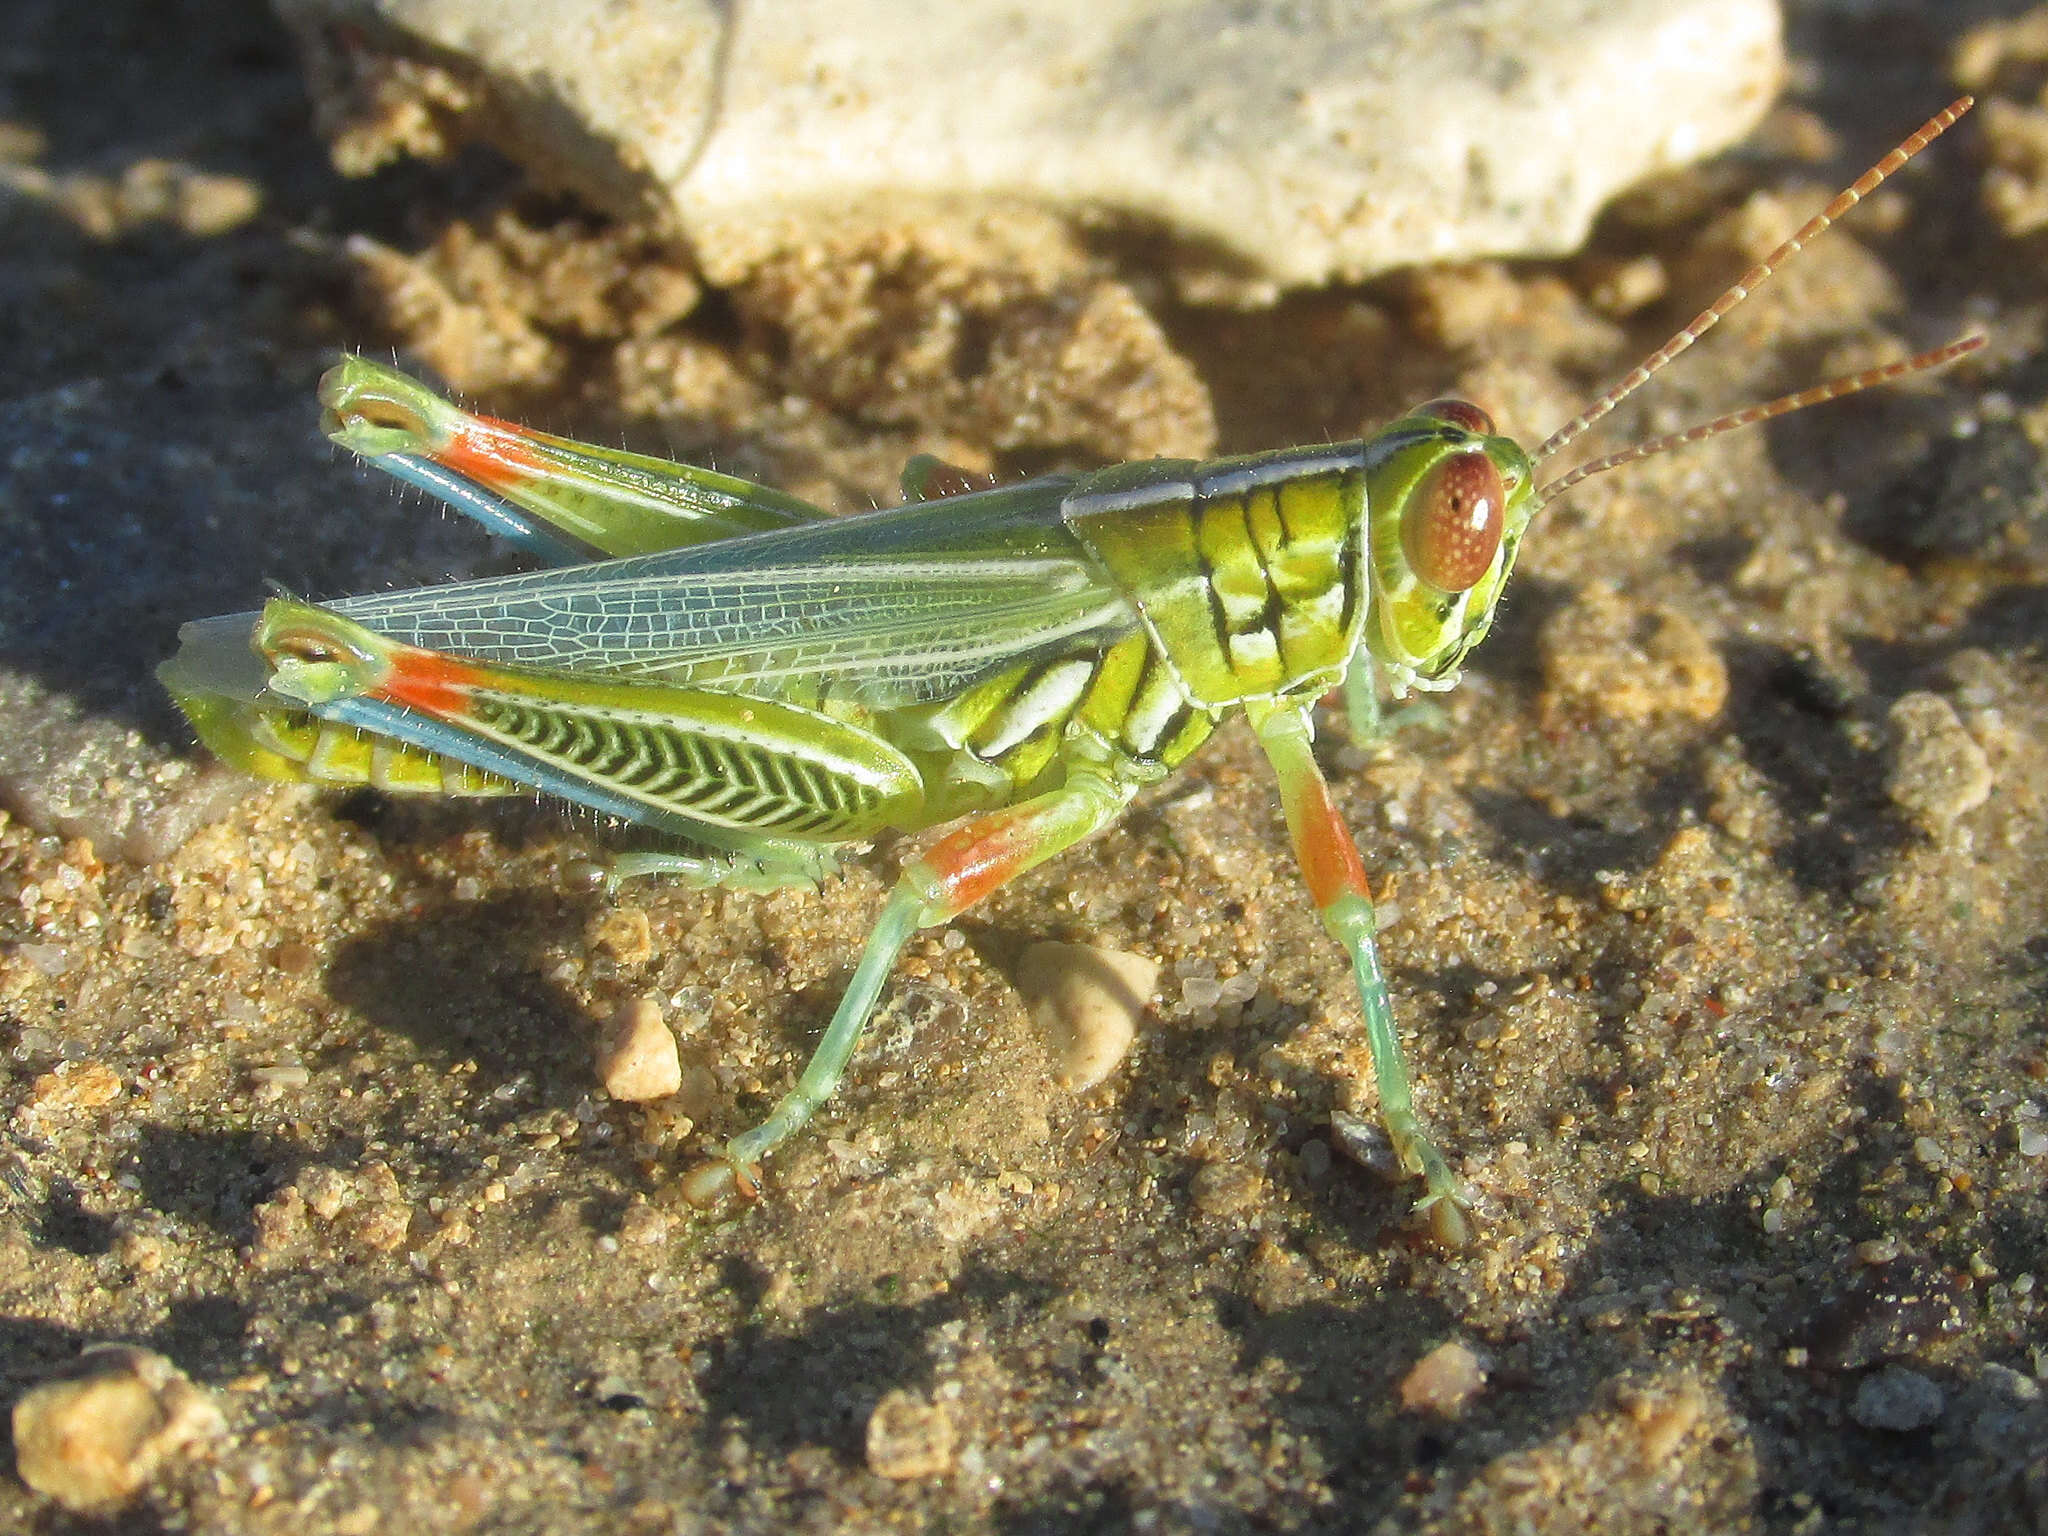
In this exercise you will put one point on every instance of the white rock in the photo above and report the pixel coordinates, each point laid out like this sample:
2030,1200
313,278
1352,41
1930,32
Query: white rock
91,1438
1281,144
636,1054
1086,1002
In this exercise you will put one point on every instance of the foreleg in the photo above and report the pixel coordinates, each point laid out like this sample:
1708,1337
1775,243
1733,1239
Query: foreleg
1329,862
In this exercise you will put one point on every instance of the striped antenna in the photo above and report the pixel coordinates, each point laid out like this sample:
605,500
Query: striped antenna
1750,415
1741,289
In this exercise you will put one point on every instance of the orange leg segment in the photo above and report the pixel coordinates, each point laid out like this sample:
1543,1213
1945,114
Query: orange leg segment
961,868
1336,880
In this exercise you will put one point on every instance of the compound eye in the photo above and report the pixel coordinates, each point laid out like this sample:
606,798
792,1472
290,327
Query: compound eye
1459,413
1452,529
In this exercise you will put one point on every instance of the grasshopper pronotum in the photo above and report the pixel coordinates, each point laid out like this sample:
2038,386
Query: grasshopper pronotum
759,683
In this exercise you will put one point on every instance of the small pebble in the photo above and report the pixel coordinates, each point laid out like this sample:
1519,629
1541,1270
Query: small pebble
909,1438
643,1224
383,1225
1226,1189
1939,773
50,959
1444,1381
1891,1308
1086,1002
626,934
274,1080
294,958
326,1190
143,1252
1365,1142
1621,288
76,1085
636,1054
1663,1419
1898,1400
379,1216
92,1438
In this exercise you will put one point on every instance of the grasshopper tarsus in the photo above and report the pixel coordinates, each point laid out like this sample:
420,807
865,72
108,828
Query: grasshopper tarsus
1448,1223
716,1184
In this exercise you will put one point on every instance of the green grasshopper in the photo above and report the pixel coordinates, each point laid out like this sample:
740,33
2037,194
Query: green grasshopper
761,684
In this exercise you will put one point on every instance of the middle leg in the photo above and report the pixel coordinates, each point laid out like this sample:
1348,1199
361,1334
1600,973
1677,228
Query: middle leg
965,865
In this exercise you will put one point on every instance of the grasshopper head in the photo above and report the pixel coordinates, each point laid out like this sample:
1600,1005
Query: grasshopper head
316,656
1447,500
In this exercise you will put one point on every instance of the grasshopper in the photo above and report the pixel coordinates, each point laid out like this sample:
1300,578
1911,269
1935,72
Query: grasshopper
760,684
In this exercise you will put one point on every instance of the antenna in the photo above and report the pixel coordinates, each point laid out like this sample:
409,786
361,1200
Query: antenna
1750,415
1736,292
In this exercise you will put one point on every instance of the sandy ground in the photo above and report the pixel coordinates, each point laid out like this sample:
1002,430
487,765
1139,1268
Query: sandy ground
1717,901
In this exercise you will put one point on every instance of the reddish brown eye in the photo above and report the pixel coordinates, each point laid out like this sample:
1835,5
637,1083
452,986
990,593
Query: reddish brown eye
1452,530
1459,413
